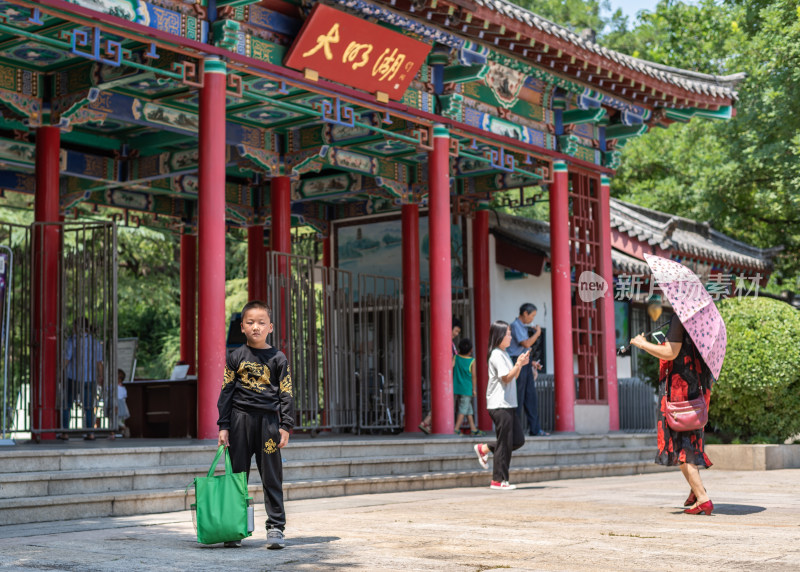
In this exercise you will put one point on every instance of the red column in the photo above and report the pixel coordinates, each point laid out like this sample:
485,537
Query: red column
480,287
256,264
281,241
606,305
189,301
280,200
412,327
46,244
441,281
562,298
326,252
211,244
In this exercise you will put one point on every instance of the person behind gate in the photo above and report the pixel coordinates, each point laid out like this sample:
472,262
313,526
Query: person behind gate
83,354
256,413
527,403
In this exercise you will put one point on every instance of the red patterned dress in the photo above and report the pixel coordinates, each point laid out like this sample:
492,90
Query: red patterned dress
688,376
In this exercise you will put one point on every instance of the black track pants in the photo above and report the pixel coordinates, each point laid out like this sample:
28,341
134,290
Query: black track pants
257,434
509,438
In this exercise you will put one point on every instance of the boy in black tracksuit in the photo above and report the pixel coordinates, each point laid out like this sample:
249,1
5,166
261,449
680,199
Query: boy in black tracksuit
256,412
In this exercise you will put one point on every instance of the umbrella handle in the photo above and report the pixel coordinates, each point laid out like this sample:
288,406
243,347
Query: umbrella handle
622,350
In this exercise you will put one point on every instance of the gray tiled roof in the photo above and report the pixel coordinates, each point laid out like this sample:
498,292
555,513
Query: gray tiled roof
718,86
534,236
686,236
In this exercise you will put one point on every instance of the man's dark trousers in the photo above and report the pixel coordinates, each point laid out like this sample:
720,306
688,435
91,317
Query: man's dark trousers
527,402
257,434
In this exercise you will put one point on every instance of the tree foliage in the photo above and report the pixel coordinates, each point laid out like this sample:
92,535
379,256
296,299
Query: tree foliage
148,291
741,174
757,396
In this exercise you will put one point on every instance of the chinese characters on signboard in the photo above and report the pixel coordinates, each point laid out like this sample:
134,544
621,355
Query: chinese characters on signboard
351,51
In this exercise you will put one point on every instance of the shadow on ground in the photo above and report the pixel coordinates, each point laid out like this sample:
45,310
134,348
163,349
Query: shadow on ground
732,509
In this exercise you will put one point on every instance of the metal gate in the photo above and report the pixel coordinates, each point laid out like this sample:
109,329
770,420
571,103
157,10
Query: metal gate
17,390
343,343
339,363
293,299
379,336
546,401
638,405
87,325
84,396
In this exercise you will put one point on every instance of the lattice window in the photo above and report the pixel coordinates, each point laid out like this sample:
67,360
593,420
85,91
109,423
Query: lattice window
587,329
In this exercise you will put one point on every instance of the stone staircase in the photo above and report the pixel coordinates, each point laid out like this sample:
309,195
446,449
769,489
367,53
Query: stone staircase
45,482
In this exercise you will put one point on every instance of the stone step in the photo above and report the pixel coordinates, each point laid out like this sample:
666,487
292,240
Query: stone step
120,456
92,505
125,479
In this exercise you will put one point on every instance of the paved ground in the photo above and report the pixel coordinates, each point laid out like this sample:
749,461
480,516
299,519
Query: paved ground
613,523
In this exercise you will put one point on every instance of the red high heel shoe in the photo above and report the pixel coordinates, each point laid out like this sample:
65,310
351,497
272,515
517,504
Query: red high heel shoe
691,499
706,507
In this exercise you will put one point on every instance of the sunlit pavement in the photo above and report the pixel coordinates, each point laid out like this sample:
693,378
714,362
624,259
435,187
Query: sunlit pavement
611,523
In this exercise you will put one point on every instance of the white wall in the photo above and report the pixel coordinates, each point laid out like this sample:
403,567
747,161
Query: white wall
623,367
508,295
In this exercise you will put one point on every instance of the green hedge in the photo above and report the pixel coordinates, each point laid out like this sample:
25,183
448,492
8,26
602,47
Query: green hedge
757,396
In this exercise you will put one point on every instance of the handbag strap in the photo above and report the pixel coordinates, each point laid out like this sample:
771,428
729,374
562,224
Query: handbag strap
699,375
668,386
228,469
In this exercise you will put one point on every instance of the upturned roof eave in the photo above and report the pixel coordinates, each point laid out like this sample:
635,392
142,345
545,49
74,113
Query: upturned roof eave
668,232
720,89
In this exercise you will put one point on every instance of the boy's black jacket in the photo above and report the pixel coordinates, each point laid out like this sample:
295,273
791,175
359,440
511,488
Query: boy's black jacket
256,380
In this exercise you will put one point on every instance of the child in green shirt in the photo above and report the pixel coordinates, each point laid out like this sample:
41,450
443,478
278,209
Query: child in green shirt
465,386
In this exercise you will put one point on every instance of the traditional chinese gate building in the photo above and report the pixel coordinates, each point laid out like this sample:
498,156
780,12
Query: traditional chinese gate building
273,115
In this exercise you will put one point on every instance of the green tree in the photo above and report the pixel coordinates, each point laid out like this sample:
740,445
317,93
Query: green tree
743,174
148,290
757,395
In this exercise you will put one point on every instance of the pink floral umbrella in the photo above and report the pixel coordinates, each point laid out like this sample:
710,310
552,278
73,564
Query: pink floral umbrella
695,309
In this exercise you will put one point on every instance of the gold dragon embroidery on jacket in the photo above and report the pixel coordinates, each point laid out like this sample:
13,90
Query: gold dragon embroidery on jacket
254,376
286,383
228,377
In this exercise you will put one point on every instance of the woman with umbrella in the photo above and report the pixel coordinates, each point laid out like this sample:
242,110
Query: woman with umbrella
690,359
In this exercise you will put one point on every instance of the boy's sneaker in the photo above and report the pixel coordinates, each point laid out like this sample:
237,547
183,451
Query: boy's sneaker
233,544
502,486
457,432
483,458
477,433
275,539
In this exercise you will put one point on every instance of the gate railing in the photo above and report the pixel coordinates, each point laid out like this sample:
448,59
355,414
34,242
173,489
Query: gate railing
545,385
16,399
379,336
87,326
638,405
292,293
339,364
343,338
80,397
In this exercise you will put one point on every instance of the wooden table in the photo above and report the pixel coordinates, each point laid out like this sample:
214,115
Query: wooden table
163,408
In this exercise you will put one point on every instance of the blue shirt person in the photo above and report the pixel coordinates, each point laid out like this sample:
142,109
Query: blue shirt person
527,402
83,354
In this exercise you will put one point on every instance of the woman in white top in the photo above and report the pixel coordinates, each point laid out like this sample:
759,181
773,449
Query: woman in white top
501,401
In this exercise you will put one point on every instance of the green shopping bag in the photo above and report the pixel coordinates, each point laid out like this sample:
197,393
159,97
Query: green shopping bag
221,504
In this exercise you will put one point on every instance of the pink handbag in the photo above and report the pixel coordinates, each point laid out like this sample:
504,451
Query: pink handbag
687,415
